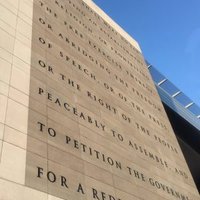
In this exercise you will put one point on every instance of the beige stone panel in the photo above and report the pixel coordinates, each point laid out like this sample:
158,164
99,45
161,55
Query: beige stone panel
115,125
88,105
96,124
120,99
17,62
1,144
7,28
60,127
13,162
106,142
26,7
43,24
61,44
96,89
125,117
73,178
63,120
66,69
37,106
57,138
105,105
40,55
50,197
125,196
195,196
8,17
28,2
130,73
38,11
34,121
58,26
5,71
4,88
155,135
57,9
106,162
94,136
181,187
159,132
18,96
24,28
22,51
23,39
109,52
43,42
15,137
99,187
17,116
20,80
13,191
37,147
32,162
124,153
64,91
1,131
27,19
153,126
33,194
3,107
98,173
78,85
65,159
134,100
76,5
41,73
177,185
85,82
54,80
123,127
38,90
4,54
133,189
117,84
157,150
10,3
142,154
22,65
51,103
143,139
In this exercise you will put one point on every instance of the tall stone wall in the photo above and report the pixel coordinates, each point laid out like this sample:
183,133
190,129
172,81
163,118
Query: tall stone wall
80,117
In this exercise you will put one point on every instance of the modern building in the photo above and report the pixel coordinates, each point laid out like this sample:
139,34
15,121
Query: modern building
80,116
184,116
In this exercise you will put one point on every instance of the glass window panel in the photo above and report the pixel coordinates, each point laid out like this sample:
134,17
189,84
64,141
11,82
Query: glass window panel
157,76
183,99
195,109
169,87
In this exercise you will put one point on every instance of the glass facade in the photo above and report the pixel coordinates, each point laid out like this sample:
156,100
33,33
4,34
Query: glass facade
175,99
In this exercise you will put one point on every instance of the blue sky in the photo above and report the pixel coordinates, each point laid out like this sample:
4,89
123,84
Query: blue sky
168,32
